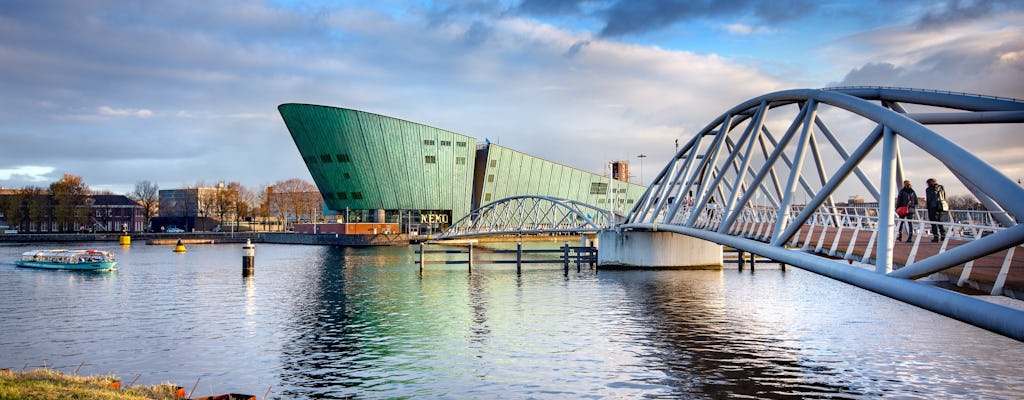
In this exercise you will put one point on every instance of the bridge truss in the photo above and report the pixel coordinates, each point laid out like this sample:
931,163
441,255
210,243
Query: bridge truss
529,215
764,174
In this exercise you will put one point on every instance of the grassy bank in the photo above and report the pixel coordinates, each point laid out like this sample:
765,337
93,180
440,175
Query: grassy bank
48,384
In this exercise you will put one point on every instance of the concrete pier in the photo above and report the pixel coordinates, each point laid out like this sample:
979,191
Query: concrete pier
639,249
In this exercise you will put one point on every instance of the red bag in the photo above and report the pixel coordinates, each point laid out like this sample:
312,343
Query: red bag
903,211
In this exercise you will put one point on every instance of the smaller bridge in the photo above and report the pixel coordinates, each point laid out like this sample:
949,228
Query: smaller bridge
530,215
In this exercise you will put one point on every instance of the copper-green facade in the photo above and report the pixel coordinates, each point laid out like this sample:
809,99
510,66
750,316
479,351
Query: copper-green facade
365,161
510,173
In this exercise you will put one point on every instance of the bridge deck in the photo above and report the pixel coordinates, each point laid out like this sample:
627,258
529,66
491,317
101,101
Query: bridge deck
985,270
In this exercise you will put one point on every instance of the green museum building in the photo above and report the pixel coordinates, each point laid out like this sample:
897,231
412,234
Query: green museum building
373,168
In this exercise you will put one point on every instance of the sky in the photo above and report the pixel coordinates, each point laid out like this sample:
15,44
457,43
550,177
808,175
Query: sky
182,92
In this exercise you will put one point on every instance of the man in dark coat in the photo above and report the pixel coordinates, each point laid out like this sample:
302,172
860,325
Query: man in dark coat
906,197
935,200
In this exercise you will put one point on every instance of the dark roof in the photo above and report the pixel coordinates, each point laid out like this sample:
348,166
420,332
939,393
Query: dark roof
112,200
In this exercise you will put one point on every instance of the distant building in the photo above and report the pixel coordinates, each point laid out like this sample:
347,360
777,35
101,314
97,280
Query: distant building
189,209
104,213
373,168
620,170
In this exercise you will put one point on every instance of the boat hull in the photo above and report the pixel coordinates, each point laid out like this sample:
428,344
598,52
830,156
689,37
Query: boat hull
90,266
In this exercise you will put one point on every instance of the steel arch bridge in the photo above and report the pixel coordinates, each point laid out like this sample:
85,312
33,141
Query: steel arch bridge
762,178
529,215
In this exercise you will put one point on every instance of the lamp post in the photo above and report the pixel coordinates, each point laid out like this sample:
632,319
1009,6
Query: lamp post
641,157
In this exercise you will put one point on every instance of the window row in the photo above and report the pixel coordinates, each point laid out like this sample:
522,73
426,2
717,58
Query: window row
433,160
430,142
343,195
326,158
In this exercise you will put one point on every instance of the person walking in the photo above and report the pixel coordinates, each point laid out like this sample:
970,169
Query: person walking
935,200
906,206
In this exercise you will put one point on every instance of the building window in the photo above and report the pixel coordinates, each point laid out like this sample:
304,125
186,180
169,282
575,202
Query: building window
428,142
430,159
494,163
329,196
446,143
490,178
342,157
460,144
346,176
325,158
460,160
357,195
310,159
598,188
342,196
487,197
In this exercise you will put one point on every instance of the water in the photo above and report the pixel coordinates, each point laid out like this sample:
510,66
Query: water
322,322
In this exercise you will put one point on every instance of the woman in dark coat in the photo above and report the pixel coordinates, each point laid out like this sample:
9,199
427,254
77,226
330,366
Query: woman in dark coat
906,197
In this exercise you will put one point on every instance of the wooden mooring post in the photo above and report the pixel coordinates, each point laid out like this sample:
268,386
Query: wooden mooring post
519,258
565,257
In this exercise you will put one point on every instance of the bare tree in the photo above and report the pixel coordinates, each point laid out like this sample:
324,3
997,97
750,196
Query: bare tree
146,193
293,198
964,202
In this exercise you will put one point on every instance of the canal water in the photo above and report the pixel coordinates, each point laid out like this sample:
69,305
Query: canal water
324,322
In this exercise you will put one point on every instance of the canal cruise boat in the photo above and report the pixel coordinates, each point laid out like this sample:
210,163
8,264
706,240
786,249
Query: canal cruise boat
82,260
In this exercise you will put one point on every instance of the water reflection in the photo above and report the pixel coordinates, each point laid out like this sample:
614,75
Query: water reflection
321,322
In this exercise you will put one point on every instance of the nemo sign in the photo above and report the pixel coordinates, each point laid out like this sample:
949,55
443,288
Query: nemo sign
434,218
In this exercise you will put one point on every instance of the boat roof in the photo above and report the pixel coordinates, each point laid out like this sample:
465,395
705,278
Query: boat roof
65,252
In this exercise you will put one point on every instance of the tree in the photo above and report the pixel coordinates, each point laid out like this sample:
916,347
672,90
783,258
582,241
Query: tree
243,202
964,202
294,198
224,200
13,209
146,193
69,195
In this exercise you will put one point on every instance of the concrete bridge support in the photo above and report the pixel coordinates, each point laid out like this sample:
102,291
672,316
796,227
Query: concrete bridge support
643,249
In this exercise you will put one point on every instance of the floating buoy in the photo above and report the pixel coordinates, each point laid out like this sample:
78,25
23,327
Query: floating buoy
125,240
179,248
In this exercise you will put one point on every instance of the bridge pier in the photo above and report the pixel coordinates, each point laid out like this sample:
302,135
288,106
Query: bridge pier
642,249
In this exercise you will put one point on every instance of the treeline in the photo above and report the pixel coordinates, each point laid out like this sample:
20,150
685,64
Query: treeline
66,202
283,202
62,198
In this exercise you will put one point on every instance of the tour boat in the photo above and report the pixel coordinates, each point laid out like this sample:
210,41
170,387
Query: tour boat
84,260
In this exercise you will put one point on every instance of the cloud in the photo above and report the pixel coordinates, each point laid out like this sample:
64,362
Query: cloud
744,29
26,173
125,112
622,18
576,48
943,14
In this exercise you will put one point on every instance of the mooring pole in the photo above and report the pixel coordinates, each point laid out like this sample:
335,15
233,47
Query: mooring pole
565,257
248,258
752,261
470,260
519,258
421,258
739,258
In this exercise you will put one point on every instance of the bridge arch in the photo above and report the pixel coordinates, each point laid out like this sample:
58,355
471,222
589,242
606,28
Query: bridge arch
530,215
739,184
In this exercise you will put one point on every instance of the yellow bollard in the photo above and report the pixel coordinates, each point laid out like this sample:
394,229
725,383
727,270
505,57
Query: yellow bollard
125,240
179,248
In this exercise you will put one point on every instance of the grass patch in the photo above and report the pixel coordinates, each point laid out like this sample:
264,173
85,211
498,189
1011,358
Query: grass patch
49,384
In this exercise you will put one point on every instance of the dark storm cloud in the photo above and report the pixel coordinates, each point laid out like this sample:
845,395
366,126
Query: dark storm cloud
624,17
576,48
956,11
551,7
